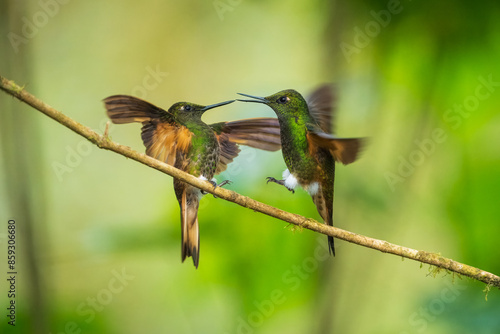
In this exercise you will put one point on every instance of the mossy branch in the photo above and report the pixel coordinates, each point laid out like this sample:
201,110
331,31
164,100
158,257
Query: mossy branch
105,143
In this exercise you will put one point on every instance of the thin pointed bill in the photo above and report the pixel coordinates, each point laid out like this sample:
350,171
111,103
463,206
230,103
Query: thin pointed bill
257,99
217,105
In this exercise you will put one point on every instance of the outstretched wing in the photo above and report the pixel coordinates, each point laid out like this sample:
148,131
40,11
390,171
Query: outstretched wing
344,150
228,151
261,133
164,139
127,109
320,106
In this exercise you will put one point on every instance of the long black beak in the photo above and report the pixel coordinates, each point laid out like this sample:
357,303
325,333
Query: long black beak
258,99
217,105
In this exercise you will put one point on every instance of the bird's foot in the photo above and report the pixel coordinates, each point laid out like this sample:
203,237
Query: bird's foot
203,192
272,179
282,182
222,184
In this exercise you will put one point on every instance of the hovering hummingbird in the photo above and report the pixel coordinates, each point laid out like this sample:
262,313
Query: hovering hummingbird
309,149
180,138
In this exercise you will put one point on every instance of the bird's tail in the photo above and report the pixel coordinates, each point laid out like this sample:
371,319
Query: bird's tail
189,225
324,204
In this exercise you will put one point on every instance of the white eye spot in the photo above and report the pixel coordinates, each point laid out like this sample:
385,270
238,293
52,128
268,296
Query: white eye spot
283,99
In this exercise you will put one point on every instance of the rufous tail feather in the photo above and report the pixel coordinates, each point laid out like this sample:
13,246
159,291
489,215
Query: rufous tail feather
189,226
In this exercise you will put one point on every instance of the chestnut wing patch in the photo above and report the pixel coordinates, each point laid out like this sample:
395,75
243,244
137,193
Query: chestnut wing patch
344,150
166,141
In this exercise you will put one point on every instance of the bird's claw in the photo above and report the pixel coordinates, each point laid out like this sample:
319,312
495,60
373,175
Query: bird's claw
282,182
223,183
203,192
271,179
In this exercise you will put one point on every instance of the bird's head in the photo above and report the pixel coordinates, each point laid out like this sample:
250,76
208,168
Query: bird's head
287,103
187,110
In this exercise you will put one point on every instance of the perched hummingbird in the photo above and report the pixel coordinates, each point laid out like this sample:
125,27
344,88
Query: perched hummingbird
308,148
180,138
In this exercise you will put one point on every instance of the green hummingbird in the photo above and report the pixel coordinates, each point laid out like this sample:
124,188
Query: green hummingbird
180,138
309,149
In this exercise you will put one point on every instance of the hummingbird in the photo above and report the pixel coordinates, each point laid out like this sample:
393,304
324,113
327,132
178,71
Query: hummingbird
180,138
309,149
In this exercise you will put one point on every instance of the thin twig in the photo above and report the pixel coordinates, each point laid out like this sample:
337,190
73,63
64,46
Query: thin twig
103,142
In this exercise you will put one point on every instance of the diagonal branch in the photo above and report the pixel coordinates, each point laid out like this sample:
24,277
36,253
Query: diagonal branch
105,143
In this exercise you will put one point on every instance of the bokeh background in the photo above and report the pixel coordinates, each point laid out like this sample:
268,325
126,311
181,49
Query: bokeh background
99,235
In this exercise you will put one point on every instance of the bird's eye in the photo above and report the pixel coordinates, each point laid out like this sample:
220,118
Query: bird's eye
283,99
187,107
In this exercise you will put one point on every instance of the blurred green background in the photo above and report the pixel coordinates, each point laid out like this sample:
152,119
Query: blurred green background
99,236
